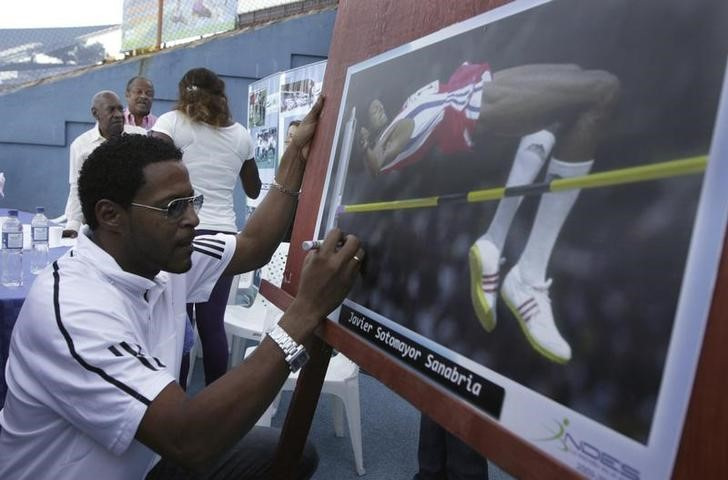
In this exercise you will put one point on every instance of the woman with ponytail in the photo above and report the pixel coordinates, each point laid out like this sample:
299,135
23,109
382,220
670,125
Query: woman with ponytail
216,151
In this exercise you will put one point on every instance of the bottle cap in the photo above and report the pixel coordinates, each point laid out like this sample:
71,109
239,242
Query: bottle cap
39,209
12,213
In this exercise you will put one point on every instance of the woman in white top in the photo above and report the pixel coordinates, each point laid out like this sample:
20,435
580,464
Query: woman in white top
217,151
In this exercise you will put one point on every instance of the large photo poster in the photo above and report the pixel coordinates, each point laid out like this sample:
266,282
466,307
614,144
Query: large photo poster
536,189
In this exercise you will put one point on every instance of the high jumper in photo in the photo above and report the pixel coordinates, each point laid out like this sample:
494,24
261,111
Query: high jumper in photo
558,109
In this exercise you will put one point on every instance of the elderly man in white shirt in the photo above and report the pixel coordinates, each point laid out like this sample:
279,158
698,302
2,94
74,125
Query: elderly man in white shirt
108,111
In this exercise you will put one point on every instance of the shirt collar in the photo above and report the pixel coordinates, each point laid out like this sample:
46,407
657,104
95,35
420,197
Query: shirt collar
98,138
106,264
147,121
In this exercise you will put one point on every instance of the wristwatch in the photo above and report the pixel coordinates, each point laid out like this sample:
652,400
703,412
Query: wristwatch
296,355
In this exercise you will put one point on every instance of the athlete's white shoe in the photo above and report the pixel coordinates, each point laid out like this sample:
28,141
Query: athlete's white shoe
532,307
484,260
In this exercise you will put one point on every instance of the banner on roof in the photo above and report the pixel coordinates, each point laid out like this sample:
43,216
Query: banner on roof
139,24
181,19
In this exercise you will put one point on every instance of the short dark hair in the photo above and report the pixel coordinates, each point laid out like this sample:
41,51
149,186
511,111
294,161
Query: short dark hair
137,77
115,171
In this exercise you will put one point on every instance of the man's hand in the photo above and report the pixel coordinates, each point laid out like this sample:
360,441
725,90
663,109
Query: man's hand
69,234
328,274
304,133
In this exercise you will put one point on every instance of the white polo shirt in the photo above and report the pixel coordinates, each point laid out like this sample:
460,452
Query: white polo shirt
92,347
214,157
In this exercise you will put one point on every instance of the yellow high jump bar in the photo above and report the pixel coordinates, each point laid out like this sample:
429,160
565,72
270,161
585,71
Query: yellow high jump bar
621,176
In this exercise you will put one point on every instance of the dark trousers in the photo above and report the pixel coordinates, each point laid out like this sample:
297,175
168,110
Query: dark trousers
250,459
443,456
210,319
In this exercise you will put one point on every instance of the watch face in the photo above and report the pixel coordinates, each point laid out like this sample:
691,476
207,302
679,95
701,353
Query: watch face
298,360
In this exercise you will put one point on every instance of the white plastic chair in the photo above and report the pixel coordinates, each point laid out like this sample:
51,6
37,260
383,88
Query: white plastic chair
195,353
242,322
341,381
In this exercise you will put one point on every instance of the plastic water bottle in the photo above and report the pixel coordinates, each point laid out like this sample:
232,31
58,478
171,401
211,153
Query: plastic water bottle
12,254
39,236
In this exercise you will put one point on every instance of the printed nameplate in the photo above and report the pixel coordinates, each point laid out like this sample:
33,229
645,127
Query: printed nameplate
475,389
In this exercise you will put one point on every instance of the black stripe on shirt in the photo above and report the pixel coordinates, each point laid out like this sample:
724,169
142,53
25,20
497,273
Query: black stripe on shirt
138,355
211,254
69,341
210,243
209,238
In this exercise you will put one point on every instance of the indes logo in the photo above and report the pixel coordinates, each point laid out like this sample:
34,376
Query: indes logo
595,456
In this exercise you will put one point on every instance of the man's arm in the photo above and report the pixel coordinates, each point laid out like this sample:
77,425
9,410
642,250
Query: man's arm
270,221
250,178
194,431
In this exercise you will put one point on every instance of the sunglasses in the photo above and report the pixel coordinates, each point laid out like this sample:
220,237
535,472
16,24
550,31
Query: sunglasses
177,207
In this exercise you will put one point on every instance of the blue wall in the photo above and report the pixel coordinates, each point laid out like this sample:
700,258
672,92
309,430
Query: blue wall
40,122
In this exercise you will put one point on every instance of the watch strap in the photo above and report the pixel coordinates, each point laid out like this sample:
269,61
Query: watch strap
295,354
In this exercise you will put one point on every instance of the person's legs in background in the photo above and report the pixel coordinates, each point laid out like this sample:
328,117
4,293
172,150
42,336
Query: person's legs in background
210,320
464,463
431,451
442,456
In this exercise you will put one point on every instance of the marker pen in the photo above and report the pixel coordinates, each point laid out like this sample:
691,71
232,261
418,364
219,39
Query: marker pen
307,245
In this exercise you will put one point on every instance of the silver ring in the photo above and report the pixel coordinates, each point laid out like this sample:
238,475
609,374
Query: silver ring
358,260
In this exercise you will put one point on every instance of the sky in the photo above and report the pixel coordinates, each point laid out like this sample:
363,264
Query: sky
59,13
